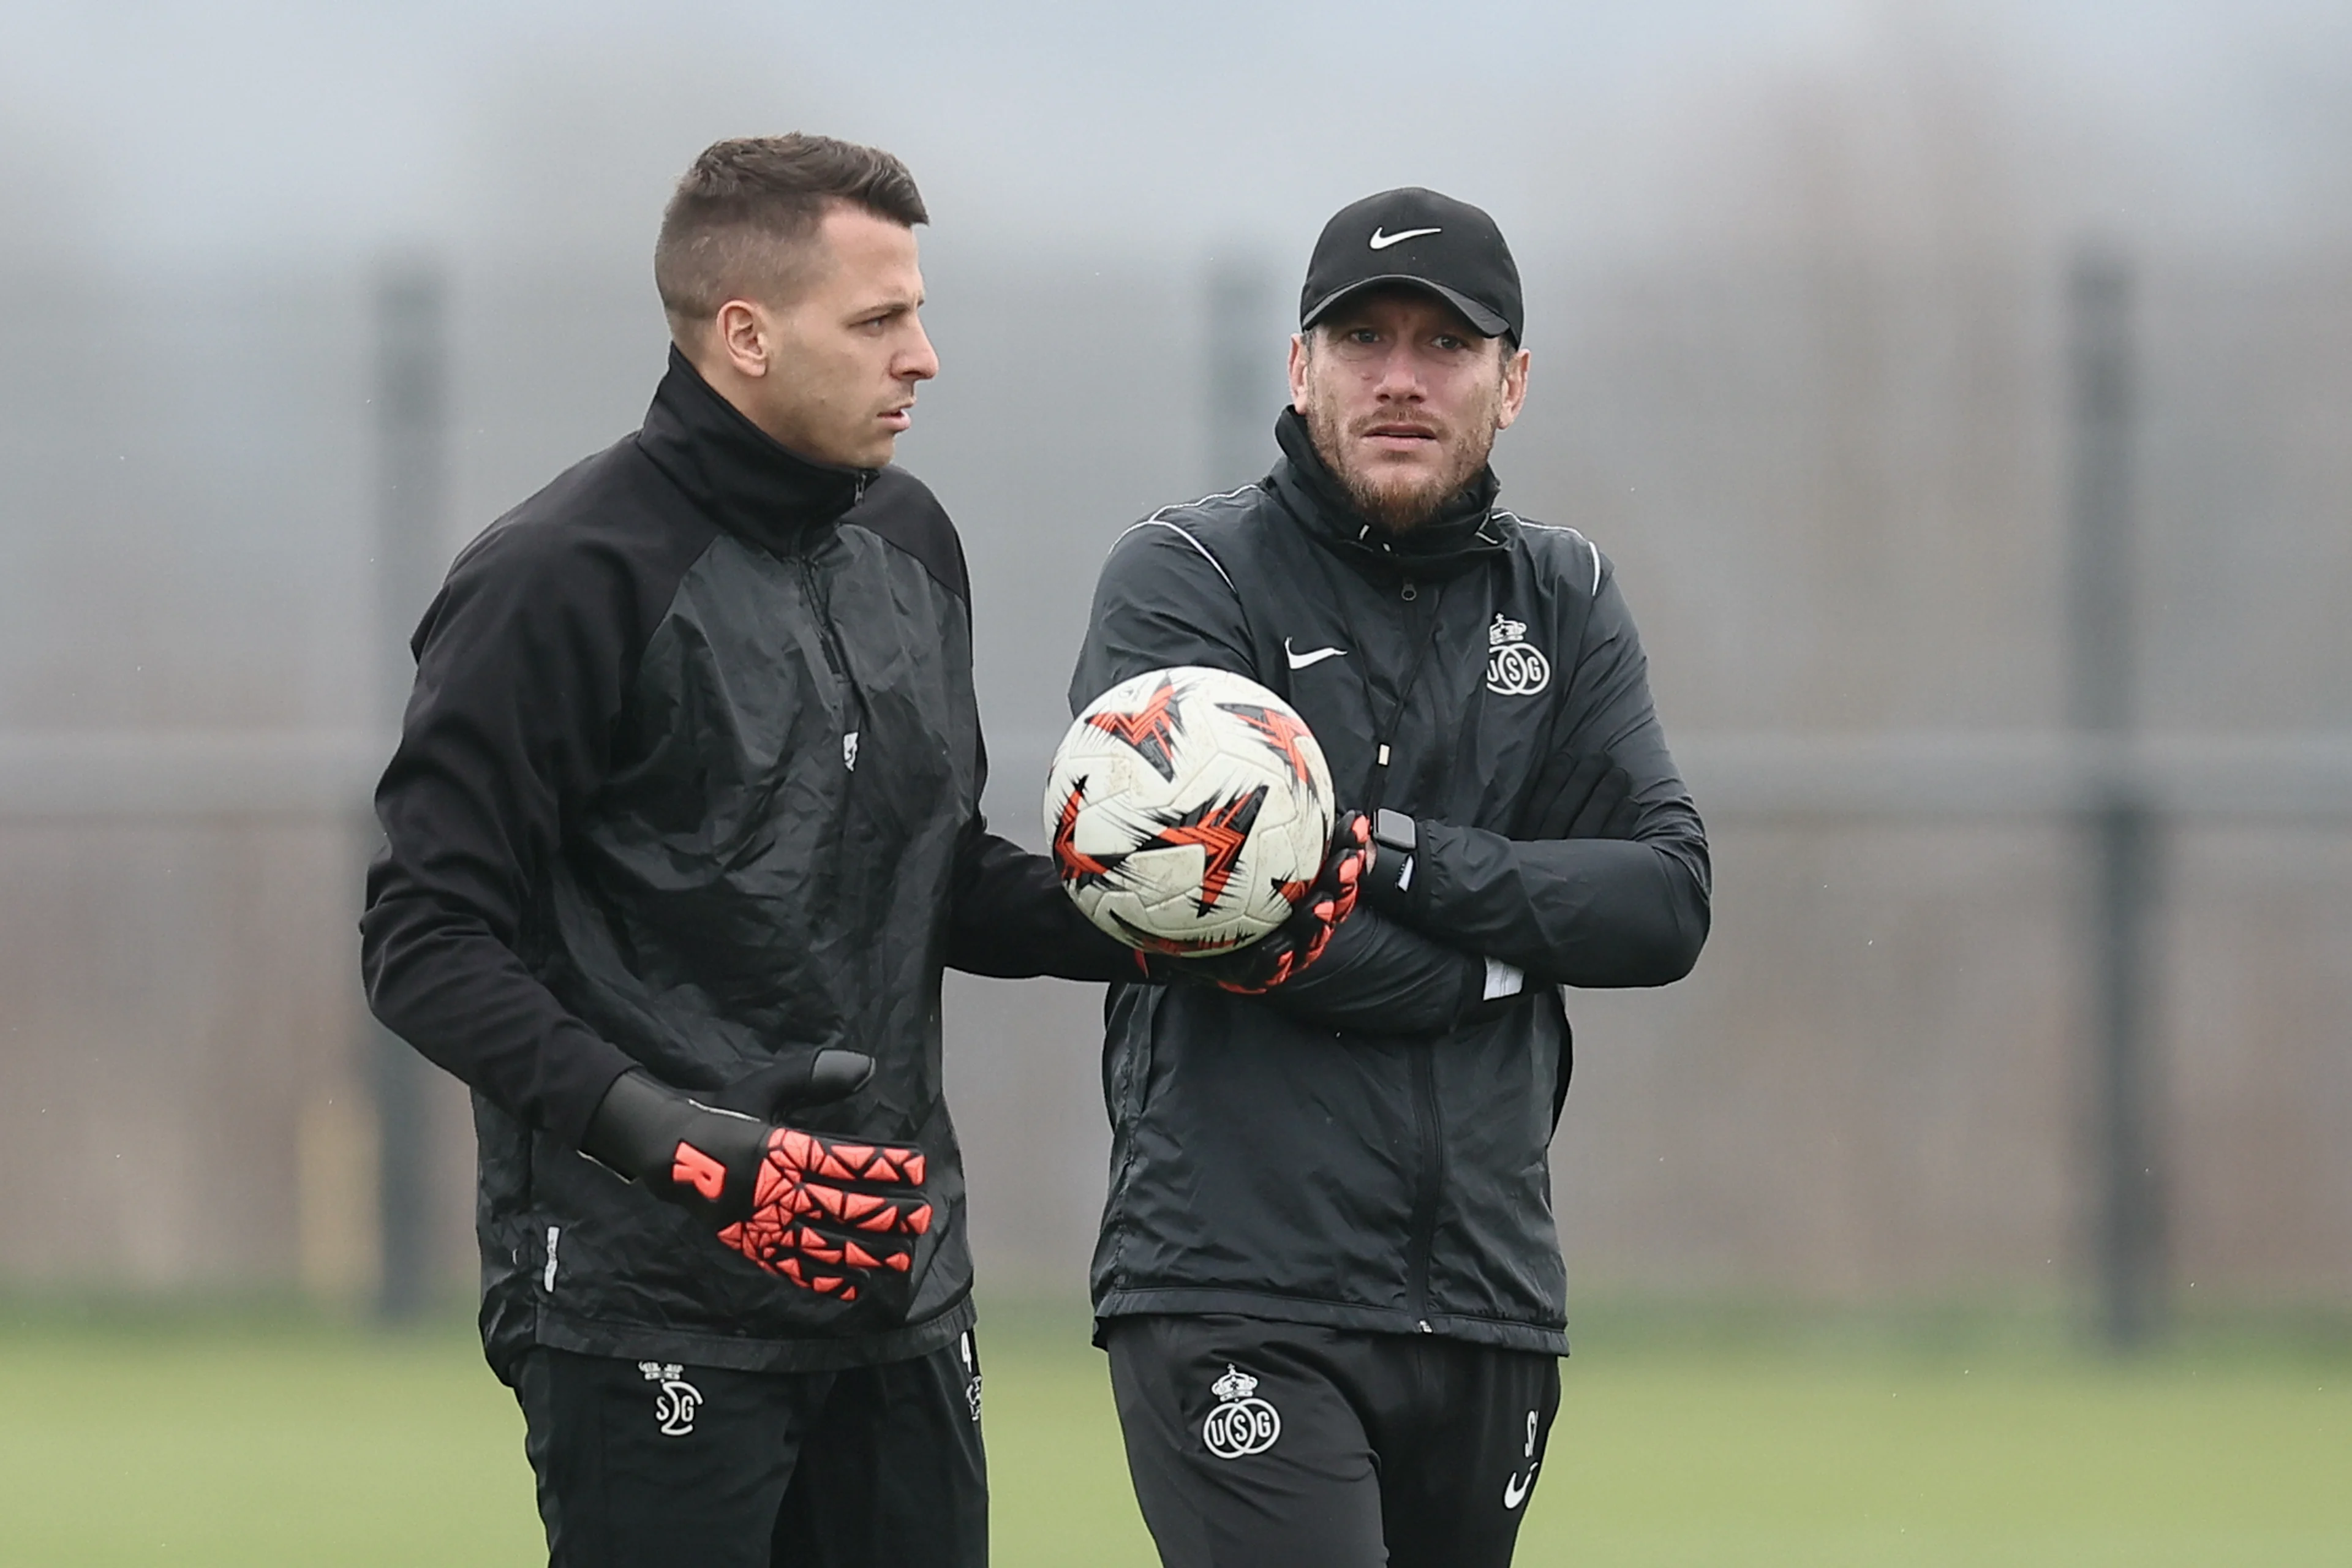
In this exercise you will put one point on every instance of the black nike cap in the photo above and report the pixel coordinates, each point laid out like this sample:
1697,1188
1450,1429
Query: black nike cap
1423,240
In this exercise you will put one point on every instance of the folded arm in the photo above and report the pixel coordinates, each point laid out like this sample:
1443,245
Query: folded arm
1614,911
1162,602
1379,977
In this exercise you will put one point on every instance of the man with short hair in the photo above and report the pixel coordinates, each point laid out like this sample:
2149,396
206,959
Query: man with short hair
1328,1279
683,826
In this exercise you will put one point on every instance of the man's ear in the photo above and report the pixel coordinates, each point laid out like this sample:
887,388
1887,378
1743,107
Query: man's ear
1515,386
1298,356
743,337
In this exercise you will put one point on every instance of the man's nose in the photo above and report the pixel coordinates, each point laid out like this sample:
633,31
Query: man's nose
919,361
1400,374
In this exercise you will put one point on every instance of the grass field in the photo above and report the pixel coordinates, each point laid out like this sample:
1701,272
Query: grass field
244,1440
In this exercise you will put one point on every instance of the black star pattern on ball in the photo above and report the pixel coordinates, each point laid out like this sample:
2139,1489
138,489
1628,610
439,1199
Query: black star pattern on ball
1150,729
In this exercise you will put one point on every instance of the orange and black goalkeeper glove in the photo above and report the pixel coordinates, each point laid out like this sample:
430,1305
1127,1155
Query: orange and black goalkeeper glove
1299,941
833,1215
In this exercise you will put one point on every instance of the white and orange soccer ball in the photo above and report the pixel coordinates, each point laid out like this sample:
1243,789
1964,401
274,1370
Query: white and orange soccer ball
1189,811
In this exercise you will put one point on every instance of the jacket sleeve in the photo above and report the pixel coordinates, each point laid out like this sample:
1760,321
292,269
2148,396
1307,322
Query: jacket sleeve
1008,916
1011,918
1382,978
521,663
1163,601
1585,912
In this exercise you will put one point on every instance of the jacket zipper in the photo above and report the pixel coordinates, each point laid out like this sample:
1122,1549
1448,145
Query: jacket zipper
1384,733
837,658
1429,1132
1431,1137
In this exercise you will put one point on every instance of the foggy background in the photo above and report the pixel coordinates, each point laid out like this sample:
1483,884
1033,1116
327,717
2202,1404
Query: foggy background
1805,367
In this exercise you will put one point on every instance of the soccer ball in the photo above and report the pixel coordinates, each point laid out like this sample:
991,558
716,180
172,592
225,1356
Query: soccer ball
1189,810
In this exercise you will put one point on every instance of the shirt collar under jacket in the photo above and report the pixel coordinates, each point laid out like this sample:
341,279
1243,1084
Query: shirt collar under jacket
1464,533
752,484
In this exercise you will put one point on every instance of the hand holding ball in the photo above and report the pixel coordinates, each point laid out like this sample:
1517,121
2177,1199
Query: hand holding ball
1190,812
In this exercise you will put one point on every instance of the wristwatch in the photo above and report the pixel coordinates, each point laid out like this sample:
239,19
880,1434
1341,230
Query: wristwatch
1395,833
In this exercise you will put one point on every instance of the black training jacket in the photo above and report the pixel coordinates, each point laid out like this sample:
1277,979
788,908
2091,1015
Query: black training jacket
1369,1146
690,779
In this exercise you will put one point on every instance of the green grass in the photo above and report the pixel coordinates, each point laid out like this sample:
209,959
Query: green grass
280,1443
1742,1459
165,1438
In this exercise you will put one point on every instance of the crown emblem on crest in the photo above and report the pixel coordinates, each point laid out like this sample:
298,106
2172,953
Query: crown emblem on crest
657,1371
1234,1384
1506,630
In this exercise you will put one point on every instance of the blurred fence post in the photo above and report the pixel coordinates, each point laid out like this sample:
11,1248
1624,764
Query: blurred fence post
412,396
2122,835
1245,378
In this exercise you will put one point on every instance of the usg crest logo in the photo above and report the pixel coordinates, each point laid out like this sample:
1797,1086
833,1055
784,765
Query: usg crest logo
675,1405
1513,668
1241,1423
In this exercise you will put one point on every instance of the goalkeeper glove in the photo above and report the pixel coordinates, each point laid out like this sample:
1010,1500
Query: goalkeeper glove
1299,941
832,1215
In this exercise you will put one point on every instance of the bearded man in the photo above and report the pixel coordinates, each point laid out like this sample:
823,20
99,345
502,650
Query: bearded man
1328,1279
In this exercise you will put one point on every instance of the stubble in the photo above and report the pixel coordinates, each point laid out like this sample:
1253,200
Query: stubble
1397,507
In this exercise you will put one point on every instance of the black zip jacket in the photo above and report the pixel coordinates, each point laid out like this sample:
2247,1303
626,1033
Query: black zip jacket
1369,1146
690,779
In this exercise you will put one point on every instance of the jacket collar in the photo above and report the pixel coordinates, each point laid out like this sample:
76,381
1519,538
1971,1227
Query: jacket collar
1466,534
752,484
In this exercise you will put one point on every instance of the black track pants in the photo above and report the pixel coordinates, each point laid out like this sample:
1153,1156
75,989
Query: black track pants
645,1464
1264,1444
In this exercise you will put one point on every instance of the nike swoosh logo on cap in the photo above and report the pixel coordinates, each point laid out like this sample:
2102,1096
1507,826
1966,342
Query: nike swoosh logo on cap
1312,656
1383,241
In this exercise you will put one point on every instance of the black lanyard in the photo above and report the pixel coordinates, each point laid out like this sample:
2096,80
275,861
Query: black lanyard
1384,730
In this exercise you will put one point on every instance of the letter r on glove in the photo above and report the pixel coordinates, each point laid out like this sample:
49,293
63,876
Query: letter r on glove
695,1169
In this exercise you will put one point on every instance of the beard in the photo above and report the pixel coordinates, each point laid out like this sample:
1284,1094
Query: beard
1398,501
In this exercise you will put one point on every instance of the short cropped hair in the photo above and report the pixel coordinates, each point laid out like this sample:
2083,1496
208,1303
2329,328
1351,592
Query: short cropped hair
740,223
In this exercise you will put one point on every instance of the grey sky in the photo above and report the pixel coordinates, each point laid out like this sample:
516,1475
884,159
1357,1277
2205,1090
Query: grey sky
148,130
